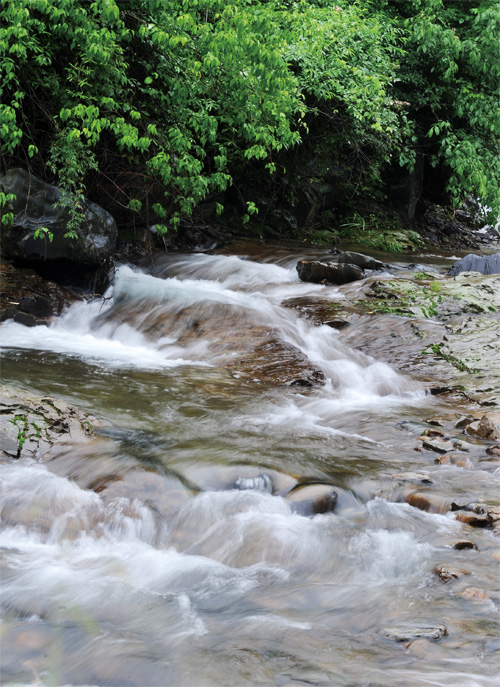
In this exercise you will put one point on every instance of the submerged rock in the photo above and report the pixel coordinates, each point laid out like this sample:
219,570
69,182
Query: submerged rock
318,272
473,594
484,264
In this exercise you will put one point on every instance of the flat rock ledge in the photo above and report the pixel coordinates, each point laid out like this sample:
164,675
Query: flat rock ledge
30,424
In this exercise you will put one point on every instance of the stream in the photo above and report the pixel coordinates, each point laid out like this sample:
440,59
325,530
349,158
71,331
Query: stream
188,543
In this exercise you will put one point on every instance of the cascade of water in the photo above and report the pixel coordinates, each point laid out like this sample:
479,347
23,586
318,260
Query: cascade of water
176,555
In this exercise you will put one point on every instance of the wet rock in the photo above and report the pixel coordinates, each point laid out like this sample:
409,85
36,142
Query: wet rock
38,205
473,594
407,633
27,298
318,272
438,445
419,477
473,519
30,425
477,514
454,459
430,433
312,499
464,422
485,264
363,261
464,544
493,451
431,503
447,574
483,429
462,445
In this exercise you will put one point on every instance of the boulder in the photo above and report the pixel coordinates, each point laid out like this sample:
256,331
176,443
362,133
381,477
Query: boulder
312,499
485,264
363,261
36,207
483,429
318,272
27,298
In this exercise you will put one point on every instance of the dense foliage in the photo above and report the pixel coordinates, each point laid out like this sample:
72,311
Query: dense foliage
165,103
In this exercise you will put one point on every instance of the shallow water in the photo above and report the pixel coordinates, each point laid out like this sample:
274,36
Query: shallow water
134,560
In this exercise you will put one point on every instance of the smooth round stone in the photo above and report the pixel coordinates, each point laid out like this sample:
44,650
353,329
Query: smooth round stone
312,499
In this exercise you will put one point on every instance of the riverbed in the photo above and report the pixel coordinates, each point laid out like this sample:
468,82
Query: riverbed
241,513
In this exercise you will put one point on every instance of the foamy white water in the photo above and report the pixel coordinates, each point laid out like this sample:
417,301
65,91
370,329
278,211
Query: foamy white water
148,558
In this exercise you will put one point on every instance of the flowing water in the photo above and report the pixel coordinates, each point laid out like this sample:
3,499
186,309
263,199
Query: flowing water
175,548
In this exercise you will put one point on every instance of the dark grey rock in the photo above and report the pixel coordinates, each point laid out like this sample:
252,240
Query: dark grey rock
361,260
318,272
35,207
485,264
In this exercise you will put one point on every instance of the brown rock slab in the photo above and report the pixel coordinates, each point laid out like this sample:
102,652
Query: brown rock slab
438,445
471,518
431,503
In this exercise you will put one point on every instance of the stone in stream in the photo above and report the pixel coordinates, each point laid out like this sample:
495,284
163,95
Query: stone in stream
408,633
312,499
473,594
483,429
431,503
318,272
447,574
438,445
464,544
484,264
360,260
